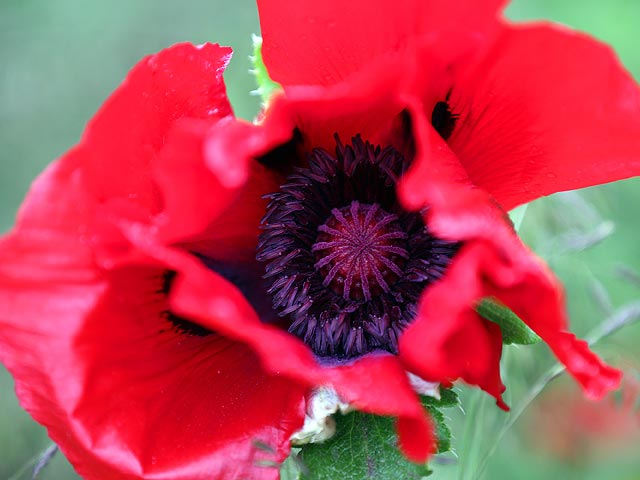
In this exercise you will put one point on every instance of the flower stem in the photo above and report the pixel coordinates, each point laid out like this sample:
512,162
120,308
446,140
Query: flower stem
470,427
38,462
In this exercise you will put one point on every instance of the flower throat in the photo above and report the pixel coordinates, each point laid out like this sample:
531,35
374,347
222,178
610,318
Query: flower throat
346,264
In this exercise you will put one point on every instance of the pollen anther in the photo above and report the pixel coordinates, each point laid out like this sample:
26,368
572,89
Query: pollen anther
346,263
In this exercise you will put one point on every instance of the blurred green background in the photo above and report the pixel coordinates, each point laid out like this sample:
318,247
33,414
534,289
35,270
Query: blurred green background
59,59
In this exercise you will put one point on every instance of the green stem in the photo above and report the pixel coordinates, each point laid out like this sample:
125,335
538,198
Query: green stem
469,429
41,458
477,435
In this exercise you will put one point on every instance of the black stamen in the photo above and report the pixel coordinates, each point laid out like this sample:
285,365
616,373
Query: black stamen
284,157
346,263
443,119
180,324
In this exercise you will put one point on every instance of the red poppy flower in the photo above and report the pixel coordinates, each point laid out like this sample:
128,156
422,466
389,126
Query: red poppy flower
127,388
177,282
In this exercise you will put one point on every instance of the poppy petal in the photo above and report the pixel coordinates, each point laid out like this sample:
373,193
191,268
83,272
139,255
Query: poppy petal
94,356
364,104
375,383
202,211
493,262
181,81
184,404
460,343
127,396
321,43
530,125
97,362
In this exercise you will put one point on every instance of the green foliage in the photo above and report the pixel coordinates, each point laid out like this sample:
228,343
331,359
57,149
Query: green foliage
443,431
292,467
448,398
266,86
365,447
514,330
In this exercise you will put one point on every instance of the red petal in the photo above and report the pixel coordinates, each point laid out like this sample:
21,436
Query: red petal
180,82
375,383
321,43
369,104
184,405
228,160
204,211
123,399
85,346
532,124
127,397
493,262
126,134
180,85
366,104
449,340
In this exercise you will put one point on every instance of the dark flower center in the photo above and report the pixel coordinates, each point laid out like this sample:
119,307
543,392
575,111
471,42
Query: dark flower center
360,251
443,119
346,264
180,324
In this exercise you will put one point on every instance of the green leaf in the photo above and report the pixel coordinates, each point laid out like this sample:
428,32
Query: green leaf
442,430
291,468
514,330
448,398
266,86
364,448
